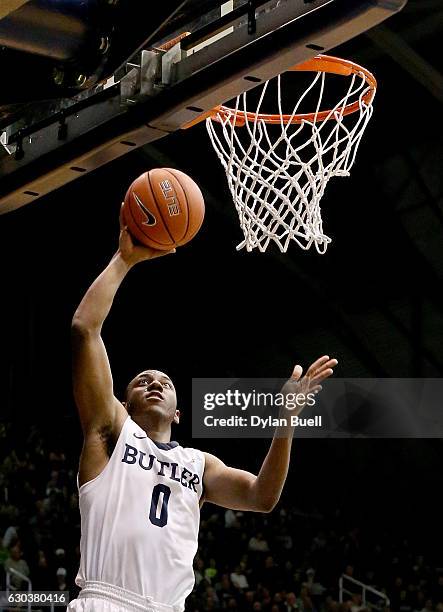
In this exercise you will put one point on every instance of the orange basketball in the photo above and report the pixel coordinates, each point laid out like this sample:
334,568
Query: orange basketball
163,208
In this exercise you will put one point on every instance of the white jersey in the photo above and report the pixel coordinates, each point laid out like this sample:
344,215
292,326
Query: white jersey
140,518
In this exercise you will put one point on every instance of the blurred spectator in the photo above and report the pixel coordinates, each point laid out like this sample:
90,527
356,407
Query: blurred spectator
60,557
225,589
304,602
198,570
330,604
405,603
62,584
284,539
356,603
290,604
232,519
53,485
428,606
212,598
15,562
395,592
349,571
249,600
211,571
42,575
269,574
239,579
258,543
10,537
314,587
265,598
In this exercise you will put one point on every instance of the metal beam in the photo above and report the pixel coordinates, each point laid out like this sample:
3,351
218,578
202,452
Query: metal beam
420,69
422,29
44,161
8,6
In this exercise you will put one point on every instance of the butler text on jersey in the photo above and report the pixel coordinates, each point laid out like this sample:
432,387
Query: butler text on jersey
167,469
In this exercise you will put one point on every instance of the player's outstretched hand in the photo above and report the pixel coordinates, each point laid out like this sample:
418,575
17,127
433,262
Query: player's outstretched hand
134,253
321,369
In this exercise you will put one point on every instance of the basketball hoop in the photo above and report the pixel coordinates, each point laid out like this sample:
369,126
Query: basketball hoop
278,165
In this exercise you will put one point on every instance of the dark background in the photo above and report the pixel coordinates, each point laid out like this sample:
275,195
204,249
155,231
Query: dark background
374,301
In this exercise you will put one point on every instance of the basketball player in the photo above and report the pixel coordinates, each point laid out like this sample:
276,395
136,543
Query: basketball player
140,494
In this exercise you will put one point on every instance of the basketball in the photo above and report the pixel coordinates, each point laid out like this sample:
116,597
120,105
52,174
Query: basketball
163,208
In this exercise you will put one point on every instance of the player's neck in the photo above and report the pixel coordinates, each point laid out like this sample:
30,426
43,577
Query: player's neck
157,431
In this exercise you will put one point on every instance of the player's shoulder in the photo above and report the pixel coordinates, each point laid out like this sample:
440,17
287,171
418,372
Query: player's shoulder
192,454
211,459
188,449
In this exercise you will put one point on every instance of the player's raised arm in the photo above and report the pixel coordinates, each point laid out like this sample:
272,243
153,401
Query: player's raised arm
92,379
240,490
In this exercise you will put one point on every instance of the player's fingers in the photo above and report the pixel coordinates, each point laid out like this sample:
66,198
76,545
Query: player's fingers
156,253
328,365
125,240
296,372
322,376
331,363
317,364
121,218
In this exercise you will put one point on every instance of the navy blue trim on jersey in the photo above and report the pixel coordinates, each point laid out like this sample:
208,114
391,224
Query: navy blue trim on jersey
165,445
162,445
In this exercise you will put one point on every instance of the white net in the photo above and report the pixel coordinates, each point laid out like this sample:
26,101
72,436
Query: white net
277,173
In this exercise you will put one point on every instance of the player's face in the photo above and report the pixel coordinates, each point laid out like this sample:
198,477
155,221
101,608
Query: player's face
153,390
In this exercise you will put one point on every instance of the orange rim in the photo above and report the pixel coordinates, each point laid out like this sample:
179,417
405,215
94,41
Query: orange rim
320,63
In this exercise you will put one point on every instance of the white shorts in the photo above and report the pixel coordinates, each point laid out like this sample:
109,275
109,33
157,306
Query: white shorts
104,597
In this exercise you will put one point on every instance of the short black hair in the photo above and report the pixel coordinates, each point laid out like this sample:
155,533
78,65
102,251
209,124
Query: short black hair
125,395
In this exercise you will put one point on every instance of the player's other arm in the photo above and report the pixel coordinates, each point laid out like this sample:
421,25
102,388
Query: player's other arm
92,379
240,490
